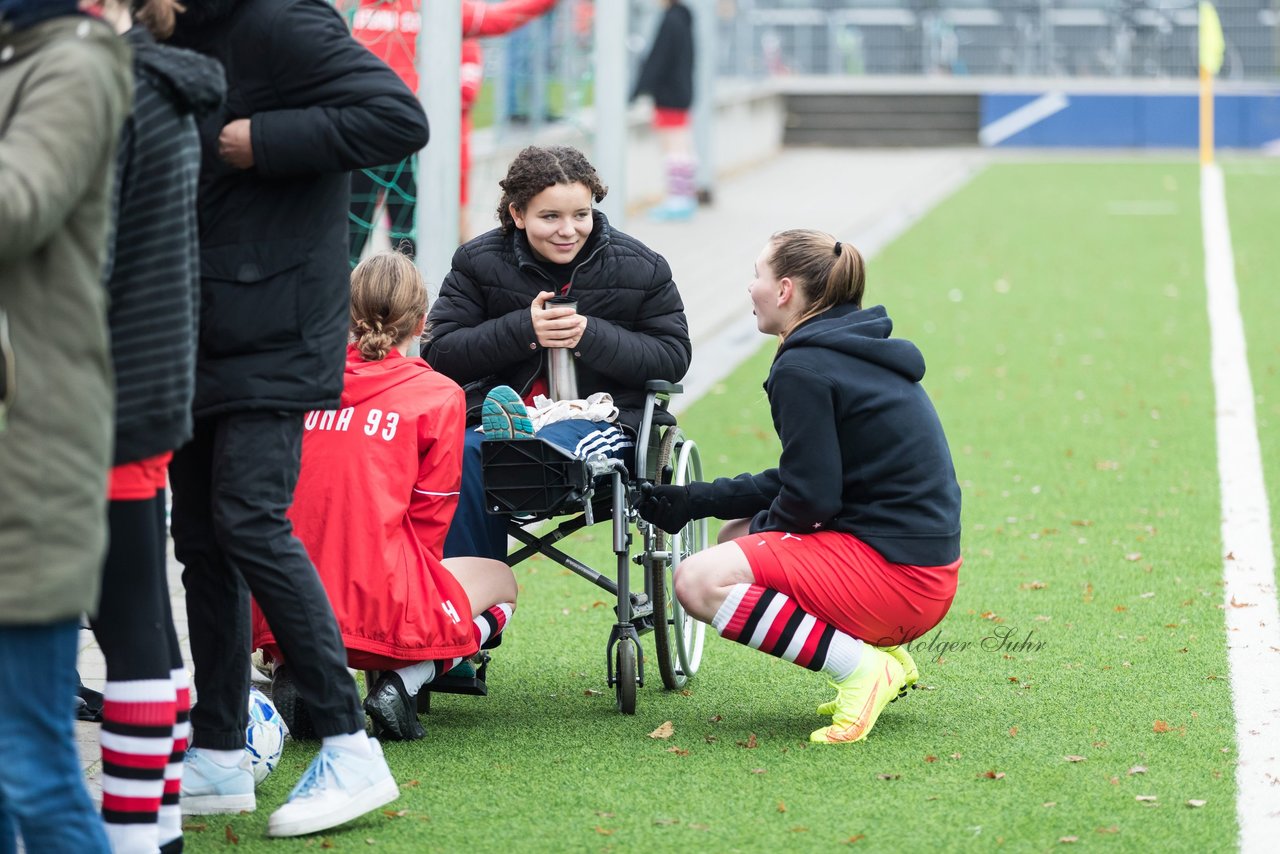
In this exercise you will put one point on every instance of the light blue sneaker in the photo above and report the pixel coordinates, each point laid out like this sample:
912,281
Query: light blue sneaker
338,786
209,788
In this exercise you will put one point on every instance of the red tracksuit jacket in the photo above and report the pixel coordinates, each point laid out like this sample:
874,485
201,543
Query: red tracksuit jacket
377,490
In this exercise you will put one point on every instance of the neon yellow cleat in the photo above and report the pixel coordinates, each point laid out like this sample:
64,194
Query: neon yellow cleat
861,697
909,668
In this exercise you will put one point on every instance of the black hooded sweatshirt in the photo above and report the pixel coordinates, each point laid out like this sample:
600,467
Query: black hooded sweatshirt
153,273
863,451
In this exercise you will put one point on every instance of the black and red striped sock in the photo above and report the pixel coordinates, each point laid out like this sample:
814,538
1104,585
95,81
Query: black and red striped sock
491,623
137,741
170,811
772,622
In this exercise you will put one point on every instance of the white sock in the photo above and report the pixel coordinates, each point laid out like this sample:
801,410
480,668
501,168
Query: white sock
356,742
416,675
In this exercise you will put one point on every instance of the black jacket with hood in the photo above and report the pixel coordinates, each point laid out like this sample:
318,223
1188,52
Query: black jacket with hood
862,447
274,304
154,275
482,331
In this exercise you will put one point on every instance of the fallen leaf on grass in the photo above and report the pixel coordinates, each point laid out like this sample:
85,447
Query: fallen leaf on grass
855,839
370,841
591,692
782,807
715,719
956,755
992,775
1133,556
800,829
665,730
750,743
1033,585
665,822
1196,804
1067,840
710,739
1112,829
1049,804
395,813
196,827
601,814
888,776
1073,758
606,831
1137,769
1160,726
758,771
413,784
1146,799
931,758
678,751
231,836
326,843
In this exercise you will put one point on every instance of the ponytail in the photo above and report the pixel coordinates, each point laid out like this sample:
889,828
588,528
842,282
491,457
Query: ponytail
826,271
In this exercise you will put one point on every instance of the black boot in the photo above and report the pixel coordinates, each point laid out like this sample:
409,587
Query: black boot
393,712
291,706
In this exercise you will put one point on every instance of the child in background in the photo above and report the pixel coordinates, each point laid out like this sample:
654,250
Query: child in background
850,547
492,328
375,496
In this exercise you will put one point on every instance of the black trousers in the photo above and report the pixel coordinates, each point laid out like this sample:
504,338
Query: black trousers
232,485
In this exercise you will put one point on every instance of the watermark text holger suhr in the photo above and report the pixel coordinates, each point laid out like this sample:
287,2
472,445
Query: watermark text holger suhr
1006,639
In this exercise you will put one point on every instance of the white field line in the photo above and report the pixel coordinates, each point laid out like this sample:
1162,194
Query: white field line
1248,567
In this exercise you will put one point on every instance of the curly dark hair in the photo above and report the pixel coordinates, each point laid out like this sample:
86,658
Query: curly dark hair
536,168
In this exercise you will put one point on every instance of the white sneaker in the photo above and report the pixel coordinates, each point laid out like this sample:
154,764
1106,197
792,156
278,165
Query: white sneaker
209,788
337,787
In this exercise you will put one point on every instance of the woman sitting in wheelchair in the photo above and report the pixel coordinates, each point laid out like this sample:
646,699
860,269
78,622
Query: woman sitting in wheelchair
850,547
375,495
496,327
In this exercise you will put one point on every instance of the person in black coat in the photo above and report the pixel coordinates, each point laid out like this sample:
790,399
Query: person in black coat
306,104
153,281
667,75
850,547
491,325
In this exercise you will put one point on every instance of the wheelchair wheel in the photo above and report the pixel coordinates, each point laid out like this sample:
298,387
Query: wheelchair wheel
677,636
625,673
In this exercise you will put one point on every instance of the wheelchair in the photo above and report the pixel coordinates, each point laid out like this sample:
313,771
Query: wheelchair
532,481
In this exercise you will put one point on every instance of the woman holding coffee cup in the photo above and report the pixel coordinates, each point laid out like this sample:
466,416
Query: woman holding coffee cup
553,286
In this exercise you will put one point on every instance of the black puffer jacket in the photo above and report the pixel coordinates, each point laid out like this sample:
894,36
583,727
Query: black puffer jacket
274,313
482,332
154,279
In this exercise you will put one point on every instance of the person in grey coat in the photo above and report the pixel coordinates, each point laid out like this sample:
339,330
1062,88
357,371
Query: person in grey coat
64,93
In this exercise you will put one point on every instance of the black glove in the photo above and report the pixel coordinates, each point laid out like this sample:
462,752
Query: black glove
668,507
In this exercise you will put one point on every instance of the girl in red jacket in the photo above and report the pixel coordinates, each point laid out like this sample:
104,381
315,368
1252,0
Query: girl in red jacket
377,490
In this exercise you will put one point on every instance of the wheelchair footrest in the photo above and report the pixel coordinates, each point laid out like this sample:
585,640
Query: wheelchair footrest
530,476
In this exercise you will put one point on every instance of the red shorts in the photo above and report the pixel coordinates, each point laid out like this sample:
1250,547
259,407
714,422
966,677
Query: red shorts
357,659
843,581
665,117
138,481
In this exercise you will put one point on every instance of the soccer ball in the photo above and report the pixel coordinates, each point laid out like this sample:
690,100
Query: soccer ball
264,736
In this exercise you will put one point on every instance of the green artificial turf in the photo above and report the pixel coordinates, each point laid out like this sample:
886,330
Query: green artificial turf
1253,200
1061,310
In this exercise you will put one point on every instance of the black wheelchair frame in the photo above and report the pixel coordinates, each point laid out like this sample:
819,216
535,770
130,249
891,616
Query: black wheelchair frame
532,480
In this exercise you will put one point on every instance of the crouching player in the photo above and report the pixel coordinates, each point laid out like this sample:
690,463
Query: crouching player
850,547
